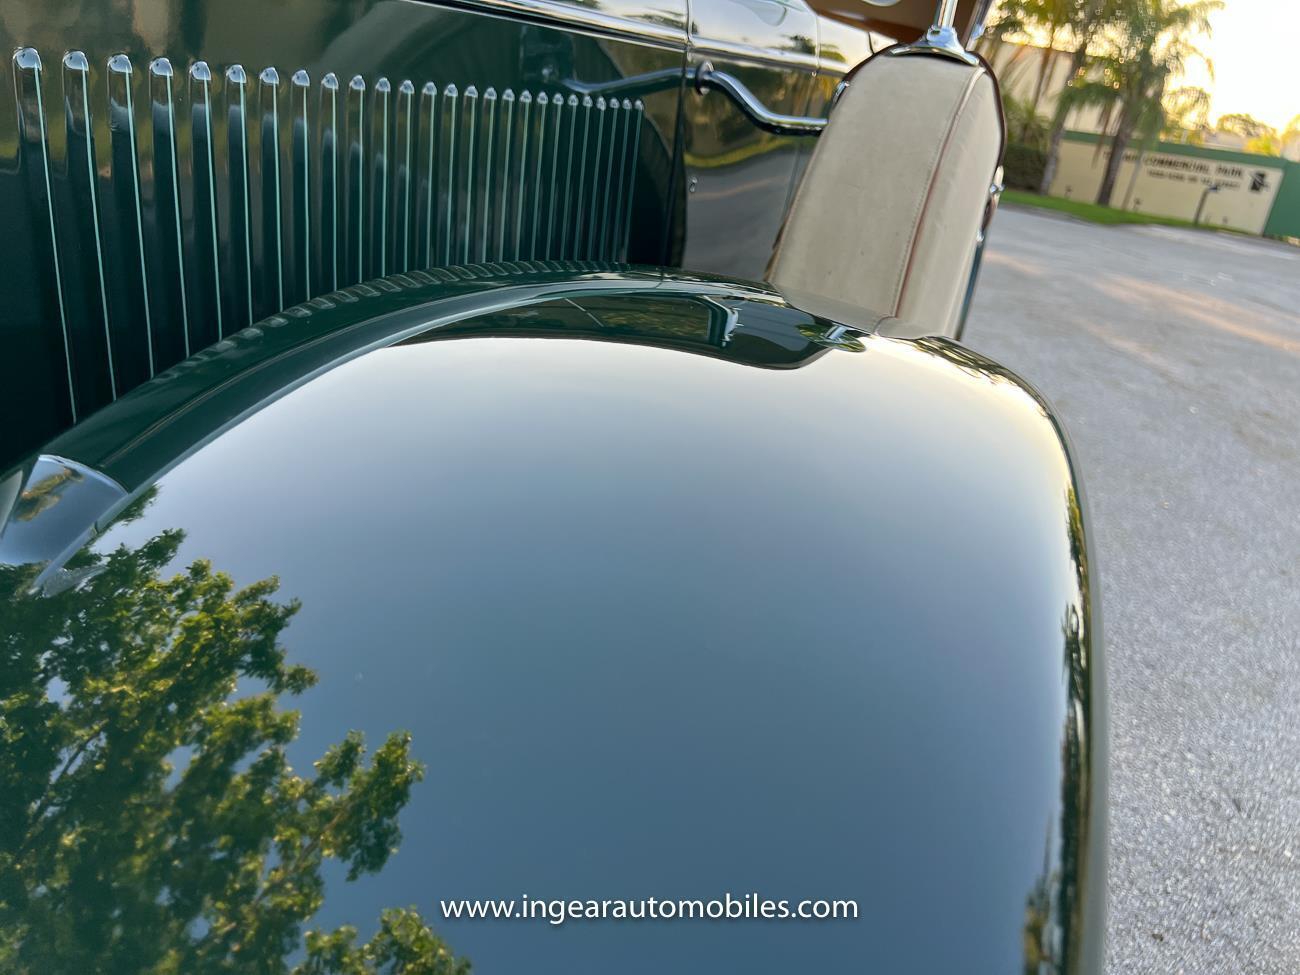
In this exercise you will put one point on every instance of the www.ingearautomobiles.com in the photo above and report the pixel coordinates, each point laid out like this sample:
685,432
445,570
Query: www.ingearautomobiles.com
750,907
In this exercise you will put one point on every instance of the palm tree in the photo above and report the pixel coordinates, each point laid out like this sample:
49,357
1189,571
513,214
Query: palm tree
1148,46
1088,18
1181,107
1050,19
1187,115
1043,22
1013,22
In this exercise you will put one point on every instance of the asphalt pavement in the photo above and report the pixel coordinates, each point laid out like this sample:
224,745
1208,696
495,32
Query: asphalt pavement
1173,357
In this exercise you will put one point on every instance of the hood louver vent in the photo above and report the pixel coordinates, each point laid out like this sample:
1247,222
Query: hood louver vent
222,198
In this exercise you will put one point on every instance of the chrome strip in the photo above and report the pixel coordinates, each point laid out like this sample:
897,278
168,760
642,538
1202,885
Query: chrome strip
451,115
489,156
520,183
356,209
79,123
241,207
27,65
268,106
383,96
602,114
164,138
471,113
205,153
329,162
300,82
123,111
639,107
406,118
429,93
557,111
572,104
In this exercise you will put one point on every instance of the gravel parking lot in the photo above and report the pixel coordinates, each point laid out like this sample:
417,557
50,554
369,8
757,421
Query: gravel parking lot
1174,358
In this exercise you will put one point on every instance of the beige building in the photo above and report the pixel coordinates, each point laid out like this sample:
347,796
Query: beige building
1173,181
1218,181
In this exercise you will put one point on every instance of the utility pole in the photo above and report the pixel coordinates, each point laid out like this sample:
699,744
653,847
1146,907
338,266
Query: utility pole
1200,207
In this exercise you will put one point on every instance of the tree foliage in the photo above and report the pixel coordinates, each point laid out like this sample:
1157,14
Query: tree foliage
1022,166
1077,24
1048,21
1267,144
1149,44
1257,136
149,819
1246,126
1187,114
1024,125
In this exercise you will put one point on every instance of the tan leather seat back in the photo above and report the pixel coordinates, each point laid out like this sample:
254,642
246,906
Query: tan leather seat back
891,206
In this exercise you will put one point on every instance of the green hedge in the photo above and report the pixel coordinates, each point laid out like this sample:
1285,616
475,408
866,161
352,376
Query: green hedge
1023,167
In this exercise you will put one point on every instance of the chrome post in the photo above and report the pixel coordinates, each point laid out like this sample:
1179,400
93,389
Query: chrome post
941,38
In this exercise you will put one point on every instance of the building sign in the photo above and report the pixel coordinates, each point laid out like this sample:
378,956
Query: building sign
1183,168
1226,193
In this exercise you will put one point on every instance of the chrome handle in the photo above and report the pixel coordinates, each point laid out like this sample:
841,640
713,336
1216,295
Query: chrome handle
704,77
707,76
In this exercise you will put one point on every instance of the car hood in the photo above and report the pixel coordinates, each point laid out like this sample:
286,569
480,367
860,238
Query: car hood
671,589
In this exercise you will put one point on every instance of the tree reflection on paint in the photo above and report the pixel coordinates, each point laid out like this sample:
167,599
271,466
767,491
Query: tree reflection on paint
149,819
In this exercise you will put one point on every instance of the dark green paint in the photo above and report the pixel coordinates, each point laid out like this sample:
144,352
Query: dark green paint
677,590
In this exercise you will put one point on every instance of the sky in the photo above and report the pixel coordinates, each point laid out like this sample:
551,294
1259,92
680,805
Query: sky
1255,49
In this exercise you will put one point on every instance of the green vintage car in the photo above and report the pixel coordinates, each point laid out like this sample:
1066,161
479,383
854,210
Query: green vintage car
496,483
